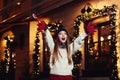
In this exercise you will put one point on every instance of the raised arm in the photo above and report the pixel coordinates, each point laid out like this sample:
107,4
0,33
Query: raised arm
78,42
49,40
42,27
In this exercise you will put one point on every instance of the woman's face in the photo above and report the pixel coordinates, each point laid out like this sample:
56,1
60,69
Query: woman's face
62,35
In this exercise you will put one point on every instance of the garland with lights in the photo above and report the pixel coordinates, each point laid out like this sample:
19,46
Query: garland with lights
101,12
36,57
114,75
54,26
9,59
77,57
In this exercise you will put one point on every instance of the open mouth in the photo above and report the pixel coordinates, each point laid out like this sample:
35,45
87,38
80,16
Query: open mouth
63,38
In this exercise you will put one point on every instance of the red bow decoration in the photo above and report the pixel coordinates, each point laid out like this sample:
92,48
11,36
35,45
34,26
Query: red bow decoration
91,28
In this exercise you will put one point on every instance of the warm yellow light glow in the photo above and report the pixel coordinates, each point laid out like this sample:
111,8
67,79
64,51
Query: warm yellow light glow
18,3
27,18
8,55
8,34
118,41
13,16
109,37
13,55
4,20
101,39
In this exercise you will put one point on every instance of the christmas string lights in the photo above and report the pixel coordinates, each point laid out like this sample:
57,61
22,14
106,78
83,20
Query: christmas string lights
10,62
36,58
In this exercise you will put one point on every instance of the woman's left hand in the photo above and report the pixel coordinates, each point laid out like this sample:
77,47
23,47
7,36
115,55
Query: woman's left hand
90,28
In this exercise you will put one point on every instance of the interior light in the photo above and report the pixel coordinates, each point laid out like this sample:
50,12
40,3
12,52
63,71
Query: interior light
18,3
4,20
27,17
102,39
109,37
13,15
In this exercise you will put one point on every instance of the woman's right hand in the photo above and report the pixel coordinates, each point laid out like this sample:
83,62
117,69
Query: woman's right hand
35,17
41,24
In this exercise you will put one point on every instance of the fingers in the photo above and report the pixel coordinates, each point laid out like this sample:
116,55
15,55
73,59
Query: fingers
34,16
90,28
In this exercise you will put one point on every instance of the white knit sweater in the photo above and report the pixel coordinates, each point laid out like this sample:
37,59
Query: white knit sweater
61,66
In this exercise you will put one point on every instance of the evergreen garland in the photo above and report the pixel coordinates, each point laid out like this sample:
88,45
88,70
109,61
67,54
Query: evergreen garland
36,57
9,65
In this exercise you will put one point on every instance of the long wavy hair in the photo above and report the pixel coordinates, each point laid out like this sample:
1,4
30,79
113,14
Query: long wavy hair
56,51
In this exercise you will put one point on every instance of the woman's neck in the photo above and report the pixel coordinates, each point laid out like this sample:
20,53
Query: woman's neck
62,45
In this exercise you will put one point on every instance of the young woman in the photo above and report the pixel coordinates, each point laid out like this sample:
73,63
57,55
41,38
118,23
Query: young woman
61,63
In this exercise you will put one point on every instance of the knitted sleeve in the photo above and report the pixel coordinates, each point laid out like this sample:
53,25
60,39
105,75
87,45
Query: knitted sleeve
49,40
78,42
